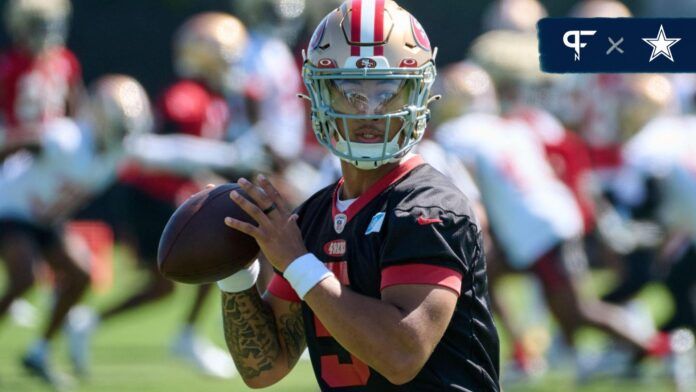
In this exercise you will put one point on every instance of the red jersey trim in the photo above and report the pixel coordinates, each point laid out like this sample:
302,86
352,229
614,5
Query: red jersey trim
377,188
422,274
281,288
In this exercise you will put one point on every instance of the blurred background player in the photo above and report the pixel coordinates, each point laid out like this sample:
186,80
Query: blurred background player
42,190
654,187
40,78
659,181
267,116
207,48
519,187
76,162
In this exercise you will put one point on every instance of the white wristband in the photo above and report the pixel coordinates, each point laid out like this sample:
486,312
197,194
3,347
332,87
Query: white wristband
241,280
305,272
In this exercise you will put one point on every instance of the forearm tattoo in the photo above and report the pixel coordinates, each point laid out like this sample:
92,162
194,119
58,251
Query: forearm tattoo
292,331
250,332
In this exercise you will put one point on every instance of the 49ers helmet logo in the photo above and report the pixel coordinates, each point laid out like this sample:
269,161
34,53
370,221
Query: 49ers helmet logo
318,34
366,63
419,34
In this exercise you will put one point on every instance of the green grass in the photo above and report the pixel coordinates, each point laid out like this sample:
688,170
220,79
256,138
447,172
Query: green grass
131,353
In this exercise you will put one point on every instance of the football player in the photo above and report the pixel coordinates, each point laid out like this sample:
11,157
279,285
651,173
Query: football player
41,191
206,48
76,163
382,274
519,187
262,95
40,78
656,184
469,90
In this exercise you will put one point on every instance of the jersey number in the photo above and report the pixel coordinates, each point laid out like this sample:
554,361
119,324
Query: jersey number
339,368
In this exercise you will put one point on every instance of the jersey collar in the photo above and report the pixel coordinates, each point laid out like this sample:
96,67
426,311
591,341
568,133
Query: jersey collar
383,183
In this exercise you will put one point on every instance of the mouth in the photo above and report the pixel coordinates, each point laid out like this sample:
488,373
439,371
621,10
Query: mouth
368,134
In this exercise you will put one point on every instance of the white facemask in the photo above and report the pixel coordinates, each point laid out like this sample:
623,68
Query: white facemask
372,151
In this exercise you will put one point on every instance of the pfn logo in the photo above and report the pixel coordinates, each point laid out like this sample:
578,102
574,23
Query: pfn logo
576,43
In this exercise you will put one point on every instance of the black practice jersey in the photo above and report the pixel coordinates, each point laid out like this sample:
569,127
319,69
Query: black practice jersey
412,227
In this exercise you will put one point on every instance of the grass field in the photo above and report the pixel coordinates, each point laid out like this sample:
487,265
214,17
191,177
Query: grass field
131,353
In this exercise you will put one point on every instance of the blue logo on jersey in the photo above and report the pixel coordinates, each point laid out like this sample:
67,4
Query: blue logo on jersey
375,224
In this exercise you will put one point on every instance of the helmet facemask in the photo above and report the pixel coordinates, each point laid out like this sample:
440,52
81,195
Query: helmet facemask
369,117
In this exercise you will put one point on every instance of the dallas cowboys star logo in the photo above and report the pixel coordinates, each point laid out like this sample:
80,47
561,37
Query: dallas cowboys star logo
661,45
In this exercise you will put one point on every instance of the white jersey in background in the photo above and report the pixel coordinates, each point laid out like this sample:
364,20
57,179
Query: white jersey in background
665,149
273,82
50,185
47,187
529,209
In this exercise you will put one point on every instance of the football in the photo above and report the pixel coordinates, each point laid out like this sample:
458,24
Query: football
197,247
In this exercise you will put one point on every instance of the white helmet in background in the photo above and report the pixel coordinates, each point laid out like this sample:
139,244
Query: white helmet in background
208,47
38,25
465,87
516,15
369,65
119,106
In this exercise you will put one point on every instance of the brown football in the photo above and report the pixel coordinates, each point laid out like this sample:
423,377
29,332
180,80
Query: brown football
197,247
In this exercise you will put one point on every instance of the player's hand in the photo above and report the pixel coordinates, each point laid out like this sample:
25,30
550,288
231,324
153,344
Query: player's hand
277,232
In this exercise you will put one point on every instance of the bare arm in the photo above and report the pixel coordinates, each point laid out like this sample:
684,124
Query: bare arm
188,155
265,336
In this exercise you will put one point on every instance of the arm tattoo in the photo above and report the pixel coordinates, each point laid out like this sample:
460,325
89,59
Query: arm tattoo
291,330
250,332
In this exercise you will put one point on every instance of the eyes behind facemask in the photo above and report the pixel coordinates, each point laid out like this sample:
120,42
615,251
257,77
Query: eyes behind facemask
376,96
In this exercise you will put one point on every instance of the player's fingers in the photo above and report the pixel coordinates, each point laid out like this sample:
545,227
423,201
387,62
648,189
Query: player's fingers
244,227
250,208
257,194
210,186
273,193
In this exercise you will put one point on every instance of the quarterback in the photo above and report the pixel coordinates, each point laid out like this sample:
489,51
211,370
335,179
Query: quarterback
382,274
